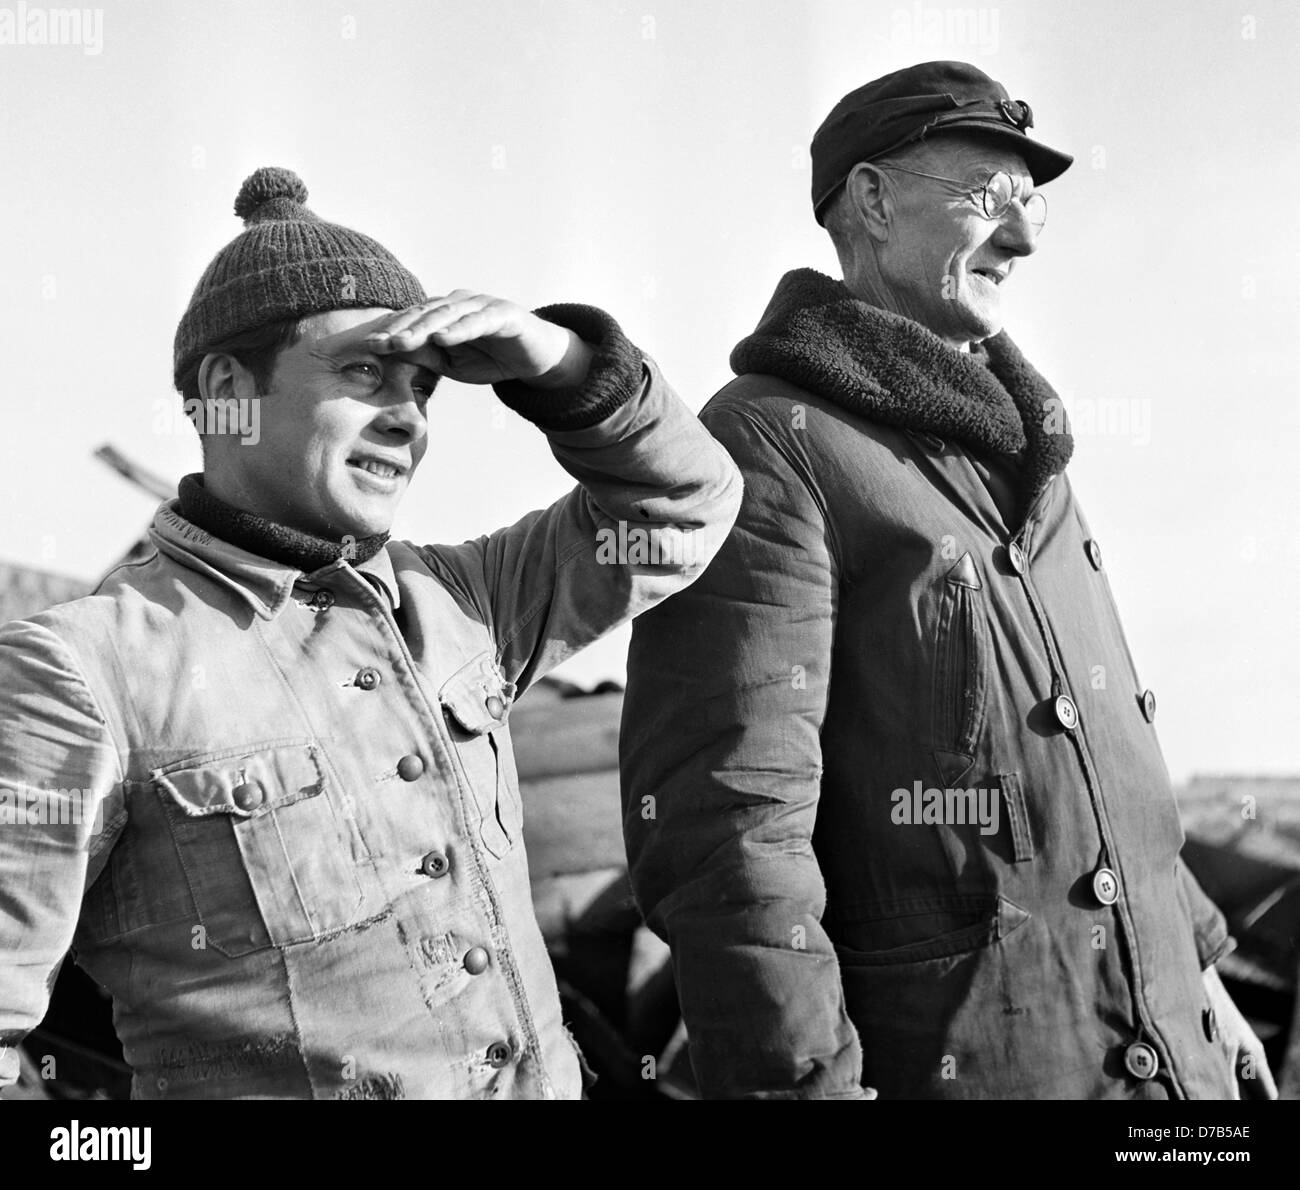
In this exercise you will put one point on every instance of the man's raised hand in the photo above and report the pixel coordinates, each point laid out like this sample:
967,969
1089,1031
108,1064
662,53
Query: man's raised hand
481,339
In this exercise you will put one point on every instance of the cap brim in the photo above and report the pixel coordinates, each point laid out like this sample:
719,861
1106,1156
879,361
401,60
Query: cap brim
1044,163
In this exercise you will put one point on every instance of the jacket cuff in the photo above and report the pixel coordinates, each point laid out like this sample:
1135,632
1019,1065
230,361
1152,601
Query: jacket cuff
615,375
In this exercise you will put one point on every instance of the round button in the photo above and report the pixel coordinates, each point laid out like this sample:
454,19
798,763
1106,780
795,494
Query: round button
435,864
498,1054
1094,554
495,707
369,678
410,767
248,796
1140,1060
323,600
1105,886
1149,706
1016,556
1067,714
1210,1023
476,960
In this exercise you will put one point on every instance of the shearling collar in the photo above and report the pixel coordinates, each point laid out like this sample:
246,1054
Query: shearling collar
891,370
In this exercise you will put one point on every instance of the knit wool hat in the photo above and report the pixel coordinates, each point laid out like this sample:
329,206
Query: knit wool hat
288,263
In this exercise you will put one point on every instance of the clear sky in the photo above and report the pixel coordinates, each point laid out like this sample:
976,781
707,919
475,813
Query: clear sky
651,158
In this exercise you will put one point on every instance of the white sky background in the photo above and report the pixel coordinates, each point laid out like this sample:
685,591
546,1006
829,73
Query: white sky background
651,158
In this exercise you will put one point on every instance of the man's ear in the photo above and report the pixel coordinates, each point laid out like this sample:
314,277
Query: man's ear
870,200
223,377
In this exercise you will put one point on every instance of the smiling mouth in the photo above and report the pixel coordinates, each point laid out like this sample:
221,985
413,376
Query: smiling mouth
373,467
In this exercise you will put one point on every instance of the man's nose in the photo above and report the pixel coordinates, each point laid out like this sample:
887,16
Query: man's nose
402,416
1015,232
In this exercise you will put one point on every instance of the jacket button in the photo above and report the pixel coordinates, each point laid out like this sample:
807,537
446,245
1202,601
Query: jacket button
1210,1023
410,767
323,600
495,707
1140,1060
498,1054
1105,886
476,960
1094,553
369,678
1149,706
1067,714
1016,556
248,796
435,864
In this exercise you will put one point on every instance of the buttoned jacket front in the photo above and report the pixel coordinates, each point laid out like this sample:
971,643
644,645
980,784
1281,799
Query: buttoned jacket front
307,876
913,826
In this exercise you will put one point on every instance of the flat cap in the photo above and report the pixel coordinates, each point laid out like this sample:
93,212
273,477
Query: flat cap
909,104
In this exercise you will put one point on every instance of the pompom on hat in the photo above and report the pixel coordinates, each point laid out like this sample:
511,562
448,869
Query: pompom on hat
287,263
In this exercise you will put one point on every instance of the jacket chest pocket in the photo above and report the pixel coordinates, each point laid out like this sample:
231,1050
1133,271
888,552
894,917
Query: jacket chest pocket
269,858
476,700
960,671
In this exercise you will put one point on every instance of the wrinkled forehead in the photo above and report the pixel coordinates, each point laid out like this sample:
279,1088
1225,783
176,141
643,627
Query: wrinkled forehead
334,327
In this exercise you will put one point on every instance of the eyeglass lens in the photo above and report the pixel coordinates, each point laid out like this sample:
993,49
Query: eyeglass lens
999,191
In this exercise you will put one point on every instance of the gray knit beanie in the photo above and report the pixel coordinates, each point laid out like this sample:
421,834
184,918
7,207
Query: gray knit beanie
289,263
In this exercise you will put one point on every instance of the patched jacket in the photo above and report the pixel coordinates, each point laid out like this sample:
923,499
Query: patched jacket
893,792
295,856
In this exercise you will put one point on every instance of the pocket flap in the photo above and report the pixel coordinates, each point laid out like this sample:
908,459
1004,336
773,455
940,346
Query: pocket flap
964,574
477,695
243,784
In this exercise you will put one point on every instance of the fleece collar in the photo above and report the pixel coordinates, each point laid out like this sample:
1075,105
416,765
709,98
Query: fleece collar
891,370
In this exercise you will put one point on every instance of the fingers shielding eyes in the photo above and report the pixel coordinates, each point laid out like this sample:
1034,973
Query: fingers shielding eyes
457,317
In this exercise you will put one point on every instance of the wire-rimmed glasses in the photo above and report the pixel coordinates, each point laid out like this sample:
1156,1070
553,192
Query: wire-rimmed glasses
996,194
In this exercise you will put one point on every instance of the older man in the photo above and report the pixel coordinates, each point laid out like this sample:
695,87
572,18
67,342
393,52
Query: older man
262,779
892,787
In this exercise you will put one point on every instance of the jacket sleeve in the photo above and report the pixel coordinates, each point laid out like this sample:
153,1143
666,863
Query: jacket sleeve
721,762
655,499
59,777
1208,923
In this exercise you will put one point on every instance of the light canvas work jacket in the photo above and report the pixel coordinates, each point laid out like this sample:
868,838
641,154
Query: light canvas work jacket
296,861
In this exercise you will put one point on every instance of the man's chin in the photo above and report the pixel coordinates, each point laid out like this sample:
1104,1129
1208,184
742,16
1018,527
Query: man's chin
982,324
357,522
367,527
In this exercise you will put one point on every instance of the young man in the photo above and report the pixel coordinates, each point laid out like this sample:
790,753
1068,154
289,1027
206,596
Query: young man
262,780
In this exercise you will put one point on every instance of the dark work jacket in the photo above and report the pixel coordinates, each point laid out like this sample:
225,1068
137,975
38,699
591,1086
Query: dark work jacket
892,787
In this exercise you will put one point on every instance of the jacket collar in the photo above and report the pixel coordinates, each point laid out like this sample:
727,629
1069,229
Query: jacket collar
265,584
891,370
